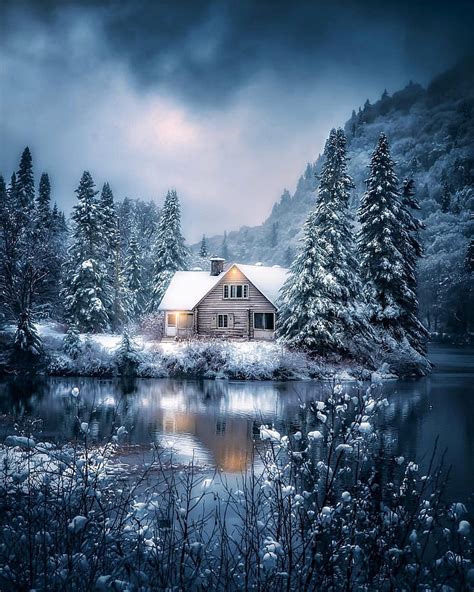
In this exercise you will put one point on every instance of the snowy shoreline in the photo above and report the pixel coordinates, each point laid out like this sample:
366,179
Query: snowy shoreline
101,355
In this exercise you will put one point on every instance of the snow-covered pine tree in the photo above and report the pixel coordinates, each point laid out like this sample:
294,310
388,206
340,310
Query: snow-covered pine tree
321,308
86,293
72,342
203,252
25,185
111,255
43,205
383,240
127,356
133,280
27,342
170,254
412,250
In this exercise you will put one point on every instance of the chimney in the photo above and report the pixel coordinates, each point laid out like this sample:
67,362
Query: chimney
217,265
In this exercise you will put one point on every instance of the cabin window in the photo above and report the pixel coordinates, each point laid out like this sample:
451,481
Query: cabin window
264,321
222,321
236,291
172,319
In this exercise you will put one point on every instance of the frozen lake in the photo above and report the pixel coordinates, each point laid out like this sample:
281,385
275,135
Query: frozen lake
216,421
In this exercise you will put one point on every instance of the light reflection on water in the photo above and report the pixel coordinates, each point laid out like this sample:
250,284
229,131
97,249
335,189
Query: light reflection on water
216,421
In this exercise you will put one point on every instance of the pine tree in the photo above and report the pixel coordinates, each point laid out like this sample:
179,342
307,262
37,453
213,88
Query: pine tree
133,279
27,342
44,201
72,343
411,250
127,357
25,258
170,254
25,183
320,300
3,201
86,292
86,297
87,220
383,241
203,252
111,255
51,238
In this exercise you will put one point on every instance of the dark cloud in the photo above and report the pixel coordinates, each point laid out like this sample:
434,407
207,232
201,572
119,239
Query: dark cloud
205,51
223,100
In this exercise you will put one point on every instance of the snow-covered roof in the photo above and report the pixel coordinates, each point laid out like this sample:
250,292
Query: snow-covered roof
268,280
188,288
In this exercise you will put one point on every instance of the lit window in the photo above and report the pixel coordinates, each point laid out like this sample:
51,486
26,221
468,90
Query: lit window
236,291
172,319
264,321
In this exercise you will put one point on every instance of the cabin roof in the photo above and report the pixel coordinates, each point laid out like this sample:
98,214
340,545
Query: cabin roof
188,288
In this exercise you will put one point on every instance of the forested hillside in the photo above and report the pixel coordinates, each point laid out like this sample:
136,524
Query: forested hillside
431,133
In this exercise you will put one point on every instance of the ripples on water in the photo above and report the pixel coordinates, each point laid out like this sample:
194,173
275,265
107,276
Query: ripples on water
216,421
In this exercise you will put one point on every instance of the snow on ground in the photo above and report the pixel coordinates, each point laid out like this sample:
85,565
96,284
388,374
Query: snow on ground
206,358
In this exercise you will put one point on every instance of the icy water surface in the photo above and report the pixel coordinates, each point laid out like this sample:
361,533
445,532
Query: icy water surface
216,421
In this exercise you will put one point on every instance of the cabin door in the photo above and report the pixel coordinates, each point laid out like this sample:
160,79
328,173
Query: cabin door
171,324
185,324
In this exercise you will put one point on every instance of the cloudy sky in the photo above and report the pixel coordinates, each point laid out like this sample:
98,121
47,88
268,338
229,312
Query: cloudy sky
225,101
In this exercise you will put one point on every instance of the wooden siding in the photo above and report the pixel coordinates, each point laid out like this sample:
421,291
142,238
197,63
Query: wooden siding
241,309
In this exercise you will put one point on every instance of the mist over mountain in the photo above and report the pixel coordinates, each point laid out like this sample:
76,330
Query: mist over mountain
431,134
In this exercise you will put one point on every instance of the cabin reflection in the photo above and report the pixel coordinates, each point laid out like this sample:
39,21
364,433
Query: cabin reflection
228,440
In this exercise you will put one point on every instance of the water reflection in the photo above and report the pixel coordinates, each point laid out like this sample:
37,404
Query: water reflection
216,421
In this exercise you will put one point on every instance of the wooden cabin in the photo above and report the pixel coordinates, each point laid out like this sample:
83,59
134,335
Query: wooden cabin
232,301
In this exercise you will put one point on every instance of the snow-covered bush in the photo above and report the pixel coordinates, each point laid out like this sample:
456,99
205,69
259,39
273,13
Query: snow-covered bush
327,509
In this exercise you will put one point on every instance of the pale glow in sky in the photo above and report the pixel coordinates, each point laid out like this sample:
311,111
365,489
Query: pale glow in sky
227,109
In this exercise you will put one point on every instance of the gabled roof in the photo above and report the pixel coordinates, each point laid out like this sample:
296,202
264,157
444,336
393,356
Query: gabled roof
188,288
268,280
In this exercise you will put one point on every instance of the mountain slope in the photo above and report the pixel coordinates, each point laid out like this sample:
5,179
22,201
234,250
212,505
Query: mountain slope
431,132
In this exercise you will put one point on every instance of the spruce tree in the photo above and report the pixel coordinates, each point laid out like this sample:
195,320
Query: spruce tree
133,279
51,240
170,254
25,257
321,307
27,342
25,183
411,250
86,291
111,255
72,343
383,241
44,201
3,201
203,252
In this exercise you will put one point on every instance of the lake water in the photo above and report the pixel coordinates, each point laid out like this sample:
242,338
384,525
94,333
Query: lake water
215,422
